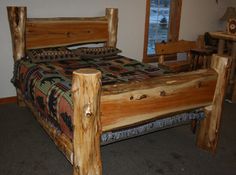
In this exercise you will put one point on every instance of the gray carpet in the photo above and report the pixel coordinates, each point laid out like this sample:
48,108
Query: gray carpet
25,149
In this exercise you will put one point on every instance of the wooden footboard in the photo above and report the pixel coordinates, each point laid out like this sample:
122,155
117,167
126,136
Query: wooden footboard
125,105
112,107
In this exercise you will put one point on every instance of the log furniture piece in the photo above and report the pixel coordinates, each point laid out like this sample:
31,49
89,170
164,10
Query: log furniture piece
98,109
173,48
223,37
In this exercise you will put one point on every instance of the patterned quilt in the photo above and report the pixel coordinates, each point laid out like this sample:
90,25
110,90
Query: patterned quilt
48,84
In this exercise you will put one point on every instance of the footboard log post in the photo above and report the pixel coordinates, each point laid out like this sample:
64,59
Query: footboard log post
207,137
86,90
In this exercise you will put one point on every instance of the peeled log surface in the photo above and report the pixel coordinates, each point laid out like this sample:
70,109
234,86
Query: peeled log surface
17,19
112,16
127,104
86,89
209,128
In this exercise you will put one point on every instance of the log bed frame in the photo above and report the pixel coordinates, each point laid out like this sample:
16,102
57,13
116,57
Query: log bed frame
98,109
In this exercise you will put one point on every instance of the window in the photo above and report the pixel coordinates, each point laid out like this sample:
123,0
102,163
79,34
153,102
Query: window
162,25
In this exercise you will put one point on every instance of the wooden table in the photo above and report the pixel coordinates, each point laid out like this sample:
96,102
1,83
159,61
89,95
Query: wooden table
223,37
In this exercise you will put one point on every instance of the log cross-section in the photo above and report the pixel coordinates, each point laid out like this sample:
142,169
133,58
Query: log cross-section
86,89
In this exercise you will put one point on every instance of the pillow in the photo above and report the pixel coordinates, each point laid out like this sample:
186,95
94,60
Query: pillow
94,52
50,54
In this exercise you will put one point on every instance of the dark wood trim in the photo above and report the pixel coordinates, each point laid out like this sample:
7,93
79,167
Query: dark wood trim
8,100
145,56
175,16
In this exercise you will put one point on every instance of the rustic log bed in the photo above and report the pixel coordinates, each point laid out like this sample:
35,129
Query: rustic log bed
98,109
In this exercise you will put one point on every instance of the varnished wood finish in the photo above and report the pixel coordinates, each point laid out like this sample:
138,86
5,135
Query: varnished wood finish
209,128
29,33
59,32
223,37
175,16
123,105
86,89
175,47
112,17
51,32
173,34
17,19
8,100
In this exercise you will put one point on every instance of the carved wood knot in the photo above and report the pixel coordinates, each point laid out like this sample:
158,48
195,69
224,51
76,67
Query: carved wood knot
199,84
87,110
138,97
142,97
76,170
68,34
162,93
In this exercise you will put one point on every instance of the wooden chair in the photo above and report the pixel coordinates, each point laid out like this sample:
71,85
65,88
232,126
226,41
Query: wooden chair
170,50
206,46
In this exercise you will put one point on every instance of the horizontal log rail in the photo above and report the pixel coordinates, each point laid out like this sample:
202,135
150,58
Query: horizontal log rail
127,104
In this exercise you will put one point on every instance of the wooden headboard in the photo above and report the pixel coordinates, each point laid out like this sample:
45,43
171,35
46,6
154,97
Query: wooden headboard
29,33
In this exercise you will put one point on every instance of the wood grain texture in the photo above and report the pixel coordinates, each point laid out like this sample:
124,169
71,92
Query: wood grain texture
112,17
175,47
175,16
127,104
223,35
86,89
209,128
31,33
60,32
17,20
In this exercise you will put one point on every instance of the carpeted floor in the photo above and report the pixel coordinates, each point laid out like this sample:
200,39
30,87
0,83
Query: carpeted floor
25,149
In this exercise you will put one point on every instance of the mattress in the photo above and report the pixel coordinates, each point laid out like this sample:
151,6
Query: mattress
47,86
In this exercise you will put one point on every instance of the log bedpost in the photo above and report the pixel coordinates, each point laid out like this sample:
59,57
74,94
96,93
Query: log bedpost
112,16
17,20
208,133
86,89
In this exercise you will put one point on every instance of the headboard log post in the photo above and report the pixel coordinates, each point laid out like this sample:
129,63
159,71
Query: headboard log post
112,16
86,89
17,20
208,133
